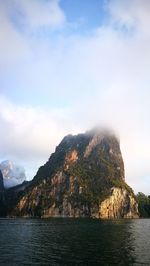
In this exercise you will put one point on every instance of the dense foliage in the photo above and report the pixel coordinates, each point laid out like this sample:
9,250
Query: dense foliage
143,205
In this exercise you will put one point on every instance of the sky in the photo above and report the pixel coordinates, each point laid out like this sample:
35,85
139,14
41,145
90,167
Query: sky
68,65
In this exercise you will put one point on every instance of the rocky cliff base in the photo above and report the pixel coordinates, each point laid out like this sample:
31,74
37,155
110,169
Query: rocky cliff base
120,204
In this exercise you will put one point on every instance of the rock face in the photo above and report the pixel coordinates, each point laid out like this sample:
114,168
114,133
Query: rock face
83,178
2,197
121,204
1,182
11,195
13,175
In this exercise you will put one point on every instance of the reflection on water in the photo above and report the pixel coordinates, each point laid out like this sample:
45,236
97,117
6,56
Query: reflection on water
74,242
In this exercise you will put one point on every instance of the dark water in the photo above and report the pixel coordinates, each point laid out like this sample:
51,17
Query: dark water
74,242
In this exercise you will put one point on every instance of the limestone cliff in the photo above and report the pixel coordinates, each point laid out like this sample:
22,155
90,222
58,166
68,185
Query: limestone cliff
83,178
120,204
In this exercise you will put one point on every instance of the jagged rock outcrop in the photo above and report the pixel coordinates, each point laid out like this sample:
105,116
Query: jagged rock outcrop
83,178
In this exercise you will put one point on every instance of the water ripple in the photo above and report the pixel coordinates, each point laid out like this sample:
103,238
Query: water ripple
74,242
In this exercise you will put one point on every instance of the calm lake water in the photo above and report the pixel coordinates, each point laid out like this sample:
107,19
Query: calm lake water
59,241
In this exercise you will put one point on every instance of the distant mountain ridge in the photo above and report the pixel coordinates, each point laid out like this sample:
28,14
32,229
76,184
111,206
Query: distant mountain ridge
13,174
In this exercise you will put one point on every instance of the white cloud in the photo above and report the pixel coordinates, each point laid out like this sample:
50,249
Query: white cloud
19,21
29,131
41,13
133,13
29,135
33,13
102,77
13,46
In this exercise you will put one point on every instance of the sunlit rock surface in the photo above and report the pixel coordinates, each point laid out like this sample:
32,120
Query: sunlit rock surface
120,204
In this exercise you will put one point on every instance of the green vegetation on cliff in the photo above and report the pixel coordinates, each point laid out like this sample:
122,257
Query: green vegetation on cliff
143,205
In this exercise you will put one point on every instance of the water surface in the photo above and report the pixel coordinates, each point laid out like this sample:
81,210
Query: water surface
64,241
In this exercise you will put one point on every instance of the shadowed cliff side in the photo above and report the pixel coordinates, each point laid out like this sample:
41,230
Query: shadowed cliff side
1,182
2,197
